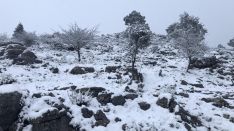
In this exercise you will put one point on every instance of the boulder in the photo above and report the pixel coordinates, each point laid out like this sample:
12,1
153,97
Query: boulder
131,96
86,113
10,107
81,70
13,53
104,98
54,70
101,119
118,100
144,105
26,58
168,104
52,121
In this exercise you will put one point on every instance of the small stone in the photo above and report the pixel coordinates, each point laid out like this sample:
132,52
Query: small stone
144,105
86,113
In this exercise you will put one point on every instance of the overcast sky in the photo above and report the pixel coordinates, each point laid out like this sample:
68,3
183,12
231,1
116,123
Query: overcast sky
49,15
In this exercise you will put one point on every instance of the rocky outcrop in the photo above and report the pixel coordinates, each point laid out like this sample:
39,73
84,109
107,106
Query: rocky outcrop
10,107
52,121
208,62
118,100
101,119
26,58
81,70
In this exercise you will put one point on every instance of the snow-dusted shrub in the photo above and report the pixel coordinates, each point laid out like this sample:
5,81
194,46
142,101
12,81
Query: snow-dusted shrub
139,127
6,79
79,98
4,37
53,40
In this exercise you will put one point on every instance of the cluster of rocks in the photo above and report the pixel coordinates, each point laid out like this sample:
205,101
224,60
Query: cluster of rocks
189,121
18,53
207,62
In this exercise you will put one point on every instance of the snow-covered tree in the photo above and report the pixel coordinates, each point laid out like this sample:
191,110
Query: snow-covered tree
188,36
138,34
134,18
20,35
78,38
231,42
19,30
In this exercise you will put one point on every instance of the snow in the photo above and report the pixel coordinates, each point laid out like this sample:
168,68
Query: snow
41,80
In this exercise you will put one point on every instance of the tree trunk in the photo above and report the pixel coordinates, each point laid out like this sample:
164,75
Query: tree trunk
78,52
189,63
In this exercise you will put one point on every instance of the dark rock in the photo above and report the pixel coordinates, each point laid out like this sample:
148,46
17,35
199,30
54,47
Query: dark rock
26,58
218,102
183,82
13,53
86,113
144,105
221,103
131,96
118,100
172,104
14,45
172,66
54,70
209,62
93,91
232,119
1,129
81,70
52,121
10,107
163,102
188,127
227,116
104,98
37,95
183,94
113,69
197,85
101,119
2,52
117,119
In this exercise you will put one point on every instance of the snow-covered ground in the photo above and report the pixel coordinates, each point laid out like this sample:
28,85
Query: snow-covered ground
38,79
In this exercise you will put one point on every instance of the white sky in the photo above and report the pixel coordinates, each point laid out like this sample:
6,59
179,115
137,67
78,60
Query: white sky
49,15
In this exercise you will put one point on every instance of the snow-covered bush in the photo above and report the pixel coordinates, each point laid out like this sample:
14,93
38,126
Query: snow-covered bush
6,79
4,37
79,98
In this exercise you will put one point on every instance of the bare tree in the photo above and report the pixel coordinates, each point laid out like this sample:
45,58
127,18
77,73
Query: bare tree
78,38
188,35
